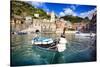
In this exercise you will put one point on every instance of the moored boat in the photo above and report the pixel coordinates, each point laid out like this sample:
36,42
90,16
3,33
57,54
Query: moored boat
85,34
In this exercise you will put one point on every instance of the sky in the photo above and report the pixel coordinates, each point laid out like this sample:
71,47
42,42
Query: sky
61,9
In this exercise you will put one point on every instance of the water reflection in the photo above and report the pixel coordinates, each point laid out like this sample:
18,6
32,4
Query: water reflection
24,53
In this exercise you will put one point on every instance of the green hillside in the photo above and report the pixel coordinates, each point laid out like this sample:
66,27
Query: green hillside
74,19
21,8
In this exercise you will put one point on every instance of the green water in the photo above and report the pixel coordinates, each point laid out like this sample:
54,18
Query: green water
79,49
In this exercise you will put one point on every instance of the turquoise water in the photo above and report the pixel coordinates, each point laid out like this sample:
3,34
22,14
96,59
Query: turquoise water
78,49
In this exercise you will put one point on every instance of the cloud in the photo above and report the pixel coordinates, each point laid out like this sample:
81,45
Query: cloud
74,14
73,7
39,4
62,14
88,13
67,11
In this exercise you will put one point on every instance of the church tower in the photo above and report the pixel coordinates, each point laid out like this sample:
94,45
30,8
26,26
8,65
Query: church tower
52,17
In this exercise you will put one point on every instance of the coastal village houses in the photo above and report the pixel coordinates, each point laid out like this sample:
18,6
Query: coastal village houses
30,24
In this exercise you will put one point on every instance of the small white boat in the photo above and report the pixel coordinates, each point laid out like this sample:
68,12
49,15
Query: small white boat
42,40
49,43
85,34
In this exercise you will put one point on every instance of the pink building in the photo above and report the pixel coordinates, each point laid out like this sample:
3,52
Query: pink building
60,25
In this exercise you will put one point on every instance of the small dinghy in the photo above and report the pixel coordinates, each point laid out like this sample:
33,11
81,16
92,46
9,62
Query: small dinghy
50,44
42,40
